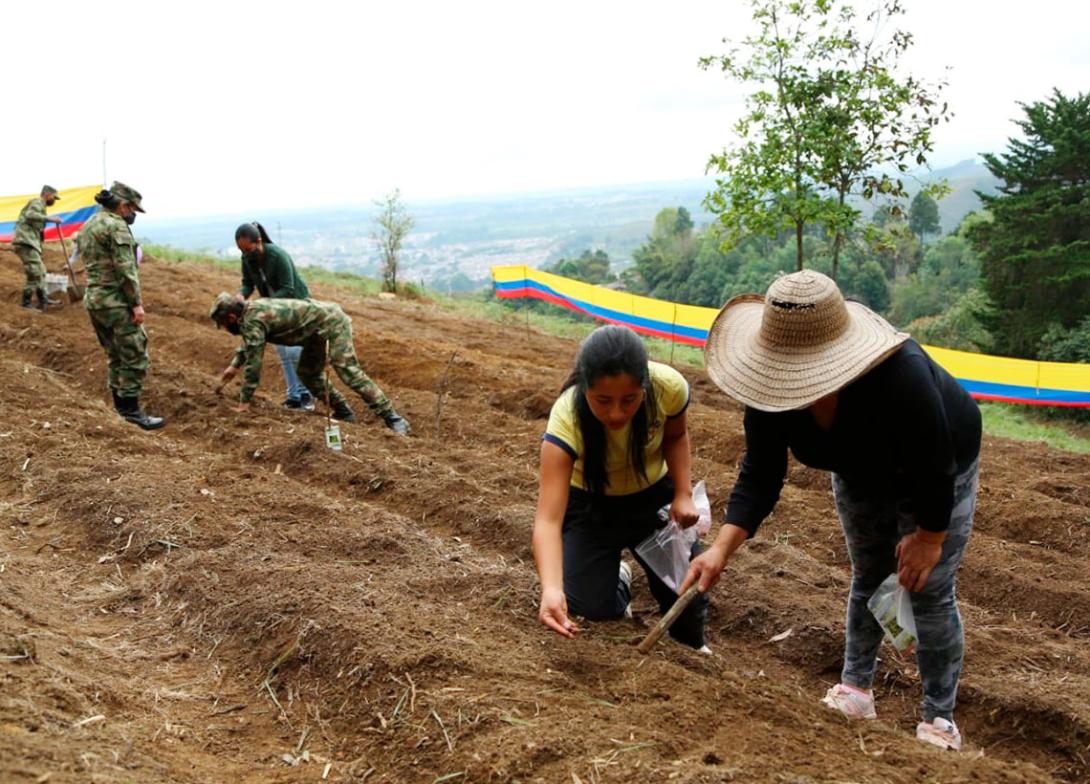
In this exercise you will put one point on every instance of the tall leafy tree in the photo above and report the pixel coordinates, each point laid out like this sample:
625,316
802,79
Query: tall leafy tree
923,215
831,115
1035,252
767,178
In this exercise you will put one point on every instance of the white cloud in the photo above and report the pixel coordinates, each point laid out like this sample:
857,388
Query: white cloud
222,106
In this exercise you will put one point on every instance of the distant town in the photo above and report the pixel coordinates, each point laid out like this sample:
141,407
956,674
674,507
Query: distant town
454,244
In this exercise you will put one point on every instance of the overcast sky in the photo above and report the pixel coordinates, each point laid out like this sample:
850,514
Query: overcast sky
212,107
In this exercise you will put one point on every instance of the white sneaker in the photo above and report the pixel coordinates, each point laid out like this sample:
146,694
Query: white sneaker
852,702
939,732
625,577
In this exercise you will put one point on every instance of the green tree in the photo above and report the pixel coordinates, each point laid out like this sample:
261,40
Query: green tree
831,114
392,225
589,267
959,327
867,283
664,263
923,215
1035,250
950,269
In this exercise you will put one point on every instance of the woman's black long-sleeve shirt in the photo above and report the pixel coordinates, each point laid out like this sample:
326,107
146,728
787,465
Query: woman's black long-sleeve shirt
905,428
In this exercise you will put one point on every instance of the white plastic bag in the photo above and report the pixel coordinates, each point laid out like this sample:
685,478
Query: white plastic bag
891,605
668,550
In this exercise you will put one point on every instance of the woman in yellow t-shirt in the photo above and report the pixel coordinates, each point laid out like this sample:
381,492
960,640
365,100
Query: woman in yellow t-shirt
616,450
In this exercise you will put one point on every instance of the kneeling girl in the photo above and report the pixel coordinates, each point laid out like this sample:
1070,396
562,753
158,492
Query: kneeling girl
615,451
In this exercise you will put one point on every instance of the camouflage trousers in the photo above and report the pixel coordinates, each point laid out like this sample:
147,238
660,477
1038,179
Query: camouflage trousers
342,356
873,524
126,347
32,265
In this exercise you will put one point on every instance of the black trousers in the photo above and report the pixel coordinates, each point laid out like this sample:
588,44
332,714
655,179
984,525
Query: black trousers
596,530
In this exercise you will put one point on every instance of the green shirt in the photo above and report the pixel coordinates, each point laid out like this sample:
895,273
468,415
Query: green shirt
28,229
108,250
273,276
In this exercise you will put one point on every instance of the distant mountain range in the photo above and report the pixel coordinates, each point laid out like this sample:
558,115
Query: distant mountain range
454,243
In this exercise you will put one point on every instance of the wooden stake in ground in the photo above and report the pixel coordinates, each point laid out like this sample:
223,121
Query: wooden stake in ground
668,620
444,382
75,294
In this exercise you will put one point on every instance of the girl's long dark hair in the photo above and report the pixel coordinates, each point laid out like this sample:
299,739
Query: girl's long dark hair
253,232
610,351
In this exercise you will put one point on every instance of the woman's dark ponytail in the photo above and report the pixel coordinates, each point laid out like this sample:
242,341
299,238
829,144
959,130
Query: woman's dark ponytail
253,232
108,199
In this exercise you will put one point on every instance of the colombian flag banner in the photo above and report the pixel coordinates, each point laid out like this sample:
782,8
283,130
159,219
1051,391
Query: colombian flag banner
75,207
984,377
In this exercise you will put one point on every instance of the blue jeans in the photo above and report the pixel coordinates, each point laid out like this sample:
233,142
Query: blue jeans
289,361
873,524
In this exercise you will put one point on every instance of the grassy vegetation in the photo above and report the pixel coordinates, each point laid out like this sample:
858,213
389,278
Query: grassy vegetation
1011,421
1007,421
350,282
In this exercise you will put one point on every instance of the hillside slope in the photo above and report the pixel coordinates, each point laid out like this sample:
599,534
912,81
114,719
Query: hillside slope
228,600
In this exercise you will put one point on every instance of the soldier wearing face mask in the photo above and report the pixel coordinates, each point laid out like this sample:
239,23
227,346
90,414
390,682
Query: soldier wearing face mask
113,299
27,244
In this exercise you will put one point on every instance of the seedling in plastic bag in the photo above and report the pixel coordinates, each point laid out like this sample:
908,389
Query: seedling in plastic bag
891,605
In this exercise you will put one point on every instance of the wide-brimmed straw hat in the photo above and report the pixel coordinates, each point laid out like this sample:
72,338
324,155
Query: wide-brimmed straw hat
797,344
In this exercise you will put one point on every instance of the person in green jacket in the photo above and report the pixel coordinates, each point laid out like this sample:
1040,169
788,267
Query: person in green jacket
268,269
27,244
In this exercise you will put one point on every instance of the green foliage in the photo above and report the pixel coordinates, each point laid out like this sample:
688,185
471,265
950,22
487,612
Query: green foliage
829,117
949,270
958,327
589,267
1035,250
1023,423
1061,344
866,283
923,215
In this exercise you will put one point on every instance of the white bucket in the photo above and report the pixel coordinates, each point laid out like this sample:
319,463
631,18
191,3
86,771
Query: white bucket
55,283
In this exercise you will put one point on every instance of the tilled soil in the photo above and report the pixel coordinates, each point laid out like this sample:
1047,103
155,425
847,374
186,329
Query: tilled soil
229,600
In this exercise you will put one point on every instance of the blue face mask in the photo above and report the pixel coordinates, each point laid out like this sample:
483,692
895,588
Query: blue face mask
130,218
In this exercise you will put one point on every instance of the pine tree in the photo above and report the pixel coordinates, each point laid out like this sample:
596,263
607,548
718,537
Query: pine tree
1035,252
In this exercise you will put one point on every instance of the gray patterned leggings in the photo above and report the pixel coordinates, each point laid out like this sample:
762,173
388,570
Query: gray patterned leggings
873,524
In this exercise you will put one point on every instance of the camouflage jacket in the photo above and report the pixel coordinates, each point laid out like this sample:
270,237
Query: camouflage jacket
108,249
287,322
28,229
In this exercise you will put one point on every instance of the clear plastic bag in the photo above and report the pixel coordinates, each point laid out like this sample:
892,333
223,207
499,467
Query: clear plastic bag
891,605
668,550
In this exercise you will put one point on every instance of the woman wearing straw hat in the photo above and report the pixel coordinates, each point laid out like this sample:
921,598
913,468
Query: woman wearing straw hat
845,392
615,452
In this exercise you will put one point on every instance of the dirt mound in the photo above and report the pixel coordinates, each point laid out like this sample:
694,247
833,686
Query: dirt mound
227,599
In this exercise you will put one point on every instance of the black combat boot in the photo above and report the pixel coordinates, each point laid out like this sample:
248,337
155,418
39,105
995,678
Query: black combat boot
396,422
343,412
44,301
26,301
129,409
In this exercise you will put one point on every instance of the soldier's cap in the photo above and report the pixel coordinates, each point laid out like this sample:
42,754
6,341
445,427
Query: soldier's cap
131,195
49,189
223,302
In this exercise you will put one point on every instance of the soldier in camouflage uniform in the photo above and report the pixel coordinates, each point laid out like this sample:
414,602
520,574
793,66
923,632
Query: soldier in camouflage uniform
314,325
27,244
113,299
